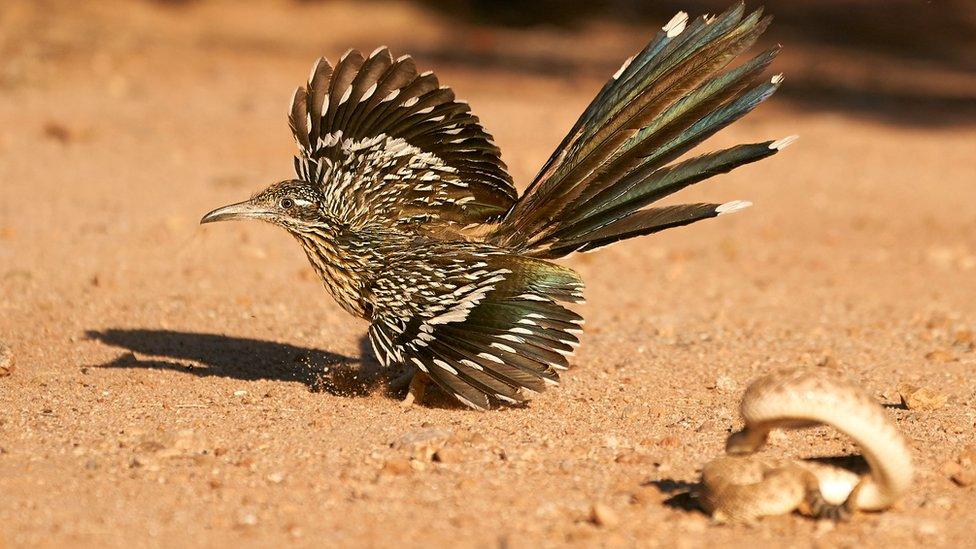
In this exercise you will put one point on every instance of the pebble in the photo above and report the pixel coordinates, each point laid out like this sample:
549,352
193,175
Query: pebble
964,478
964,472
631,456
827,360
397,467
647,494
447,455
6,361
150,446
602,515
246,518
56,131
921,398
725,384
940,355
669,441
424,443
964,338
276,478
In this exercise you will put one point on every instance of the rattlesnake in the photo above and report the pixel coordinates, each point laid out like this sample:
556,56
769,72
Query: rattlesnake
741,487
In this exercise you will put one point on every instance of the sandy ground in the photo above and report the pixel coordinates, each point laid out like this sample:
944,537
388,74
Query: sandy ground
183,385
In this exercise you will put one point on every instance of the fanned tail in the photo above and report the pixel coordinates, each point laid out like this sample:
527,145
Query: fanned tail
620,156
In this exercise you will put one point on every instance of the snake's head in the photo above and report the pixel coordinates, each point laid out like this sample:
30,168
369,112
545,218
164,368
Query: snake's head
745,442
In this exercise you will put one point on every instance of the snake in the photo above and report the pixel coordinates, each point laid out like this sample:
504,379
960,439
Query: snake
742,486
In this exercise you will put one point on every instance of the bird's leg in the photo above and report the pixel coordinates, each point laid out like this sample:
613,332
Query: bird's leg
402,381
417,389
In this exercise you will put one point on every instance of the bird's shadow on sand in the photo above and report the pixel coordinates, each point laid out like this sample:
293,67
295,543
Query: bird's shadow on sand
206,355
247,359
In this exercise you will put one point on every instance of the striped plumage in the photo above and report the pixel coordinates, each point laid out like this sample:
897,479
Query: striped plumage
409,216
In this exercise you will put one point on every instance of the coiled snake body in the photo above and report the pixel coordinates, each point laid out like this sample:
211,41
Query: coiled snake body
742,487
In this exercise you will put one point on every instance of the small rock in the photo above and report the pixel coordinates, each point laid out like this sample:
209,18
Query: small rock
939,355
708,426
424,443
647,494
57,131
447,455
6,361
725,384
964,472
397,467
632,457
602,515
247,518
965,477
150,446
921,398
827,361
950,468
669,441
276,478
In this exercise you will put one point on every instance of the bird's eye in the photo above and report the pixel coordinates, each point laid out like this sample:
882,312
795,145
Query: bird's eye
286,203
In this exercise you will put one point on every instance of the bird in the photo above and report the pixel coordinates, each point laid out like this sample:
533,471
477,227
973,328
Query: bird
410,218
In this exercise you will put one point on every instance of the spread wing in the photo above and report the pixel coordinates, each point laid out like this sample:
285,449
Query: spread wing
391,146
487,327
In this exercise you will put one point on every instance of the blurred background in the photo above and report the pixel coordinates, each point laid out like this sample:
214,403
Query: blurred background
904,61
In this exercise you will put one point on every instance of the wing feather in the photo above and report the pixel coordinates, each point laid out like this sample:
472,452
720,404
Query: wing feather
494,329
393,147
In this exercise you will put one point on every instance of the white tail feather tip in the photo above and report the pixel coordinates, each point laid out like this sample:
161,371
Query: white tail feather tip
781,144
777,79
734,206
676,25
622,68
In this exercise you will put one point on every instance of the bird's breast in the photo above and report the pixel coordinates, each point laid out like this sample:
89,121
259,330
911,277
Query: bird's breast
343,267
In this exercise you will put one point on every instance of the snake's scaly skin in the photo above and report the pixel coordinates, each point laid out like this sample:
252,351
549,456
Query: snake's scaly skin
741,487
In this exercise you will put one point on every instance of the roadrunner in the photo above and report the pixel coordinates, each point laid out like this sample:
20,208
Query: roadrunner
410,218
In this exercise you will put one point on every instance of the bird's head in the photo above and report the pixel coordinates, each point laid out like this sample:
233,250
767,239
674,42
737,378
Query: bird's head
288,204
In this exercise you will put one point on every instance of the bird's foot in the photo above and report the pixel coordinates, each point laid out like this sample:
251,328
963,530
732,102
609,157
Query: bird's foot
402,380
416,390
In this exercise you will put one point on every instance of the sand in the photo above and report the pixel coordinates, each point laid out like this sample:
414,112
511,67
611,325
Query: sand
182,385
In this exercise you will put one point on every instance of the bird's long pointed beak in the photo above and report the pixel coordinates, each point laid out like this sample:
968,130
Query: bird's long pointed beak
241,210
